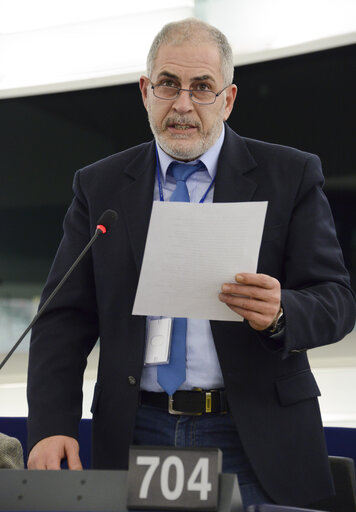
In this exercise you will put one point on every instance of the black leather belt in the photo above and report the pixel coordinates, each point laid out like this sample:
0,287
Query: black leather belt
194,403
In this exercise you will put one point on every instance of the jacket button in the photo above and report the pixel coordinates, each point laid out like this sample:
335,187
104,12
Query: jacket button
132,380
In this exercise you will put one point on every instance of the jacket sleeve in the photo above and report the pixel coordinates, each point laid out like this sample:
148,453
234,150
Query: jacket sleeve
317,298
64,335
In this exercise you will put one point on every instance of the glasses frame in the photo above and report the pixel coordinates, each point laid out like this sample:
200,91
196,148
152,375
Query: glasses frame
190,91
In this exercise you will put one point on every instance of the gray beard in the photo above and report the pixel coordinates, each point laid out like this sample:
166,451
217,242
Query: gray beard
186,154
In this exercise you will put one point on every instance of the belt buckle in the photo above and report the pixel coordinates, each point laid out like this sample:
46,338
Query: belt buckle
174,411
171,410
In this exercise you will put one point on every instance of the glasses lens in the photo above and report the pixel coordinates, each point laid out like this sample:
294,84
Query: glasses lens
164,92
203,96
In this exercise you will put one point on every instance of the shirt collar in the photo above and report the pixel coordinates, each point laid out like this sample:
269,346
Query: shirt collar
209,158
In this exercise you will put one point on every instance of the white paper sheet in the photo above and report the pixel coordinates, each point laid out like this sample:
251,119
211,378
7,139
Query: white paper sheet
191,250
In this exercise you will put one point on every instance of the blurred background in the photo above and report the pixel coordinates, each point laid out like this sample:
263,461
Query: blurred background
69,96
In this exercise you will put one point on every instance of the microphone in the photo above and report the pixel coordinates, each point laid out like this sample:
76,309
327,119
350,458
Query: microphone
106,221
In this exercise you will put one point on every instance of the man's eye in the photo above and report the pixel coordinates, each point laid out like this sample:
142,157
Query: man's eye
168,83
202,87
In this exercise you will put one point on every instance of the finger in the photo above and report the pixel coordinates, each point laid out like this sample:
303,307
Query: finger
256,320
73,459
53,461
49,452
42,460
249,304
261,280
36,462
255,292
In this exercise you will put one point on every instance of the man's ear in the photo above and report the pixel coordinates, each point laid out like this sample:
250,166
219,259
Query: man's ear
144,83
230,100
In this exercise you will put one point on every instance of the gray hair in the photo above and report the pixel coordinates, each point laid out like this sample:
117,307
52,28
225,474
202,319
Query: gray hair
193,31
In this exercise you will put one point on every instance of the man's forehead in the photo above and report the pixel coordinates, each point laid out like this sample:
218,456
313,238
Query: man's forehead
196,78
196,61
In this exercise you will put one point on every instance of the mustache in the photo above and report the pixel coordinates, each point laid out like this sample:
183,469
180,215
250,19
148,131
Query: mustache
181,120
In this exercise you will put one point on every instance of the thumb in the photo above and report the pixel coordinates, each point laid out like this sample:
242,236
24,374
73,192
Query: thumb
72,452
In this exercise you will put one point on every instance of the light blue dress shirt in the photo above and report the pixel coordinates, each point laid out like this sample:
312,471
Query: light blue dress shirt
203,368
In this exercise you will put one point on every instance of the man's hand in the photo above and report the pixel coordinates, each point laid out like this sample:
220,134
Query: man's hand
49,452
256,297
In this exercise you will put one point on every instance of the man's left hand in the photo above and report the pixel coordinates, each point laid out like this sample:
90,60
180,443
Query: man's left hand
256,297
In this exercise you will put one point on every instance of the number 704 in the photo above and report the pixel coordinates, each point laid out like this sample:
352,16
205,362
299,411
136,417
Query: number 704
197,481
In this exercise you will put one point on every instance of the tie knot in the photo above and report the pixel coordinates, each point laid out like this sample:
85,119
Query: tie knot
181,172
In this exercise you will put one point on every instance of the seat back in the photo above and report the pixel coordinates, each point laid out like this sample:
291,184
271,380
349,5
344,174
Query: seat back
277,508
343,471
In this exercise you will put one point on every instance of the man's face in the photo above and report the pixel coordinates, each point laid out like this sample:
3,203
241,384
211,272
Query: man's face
184,129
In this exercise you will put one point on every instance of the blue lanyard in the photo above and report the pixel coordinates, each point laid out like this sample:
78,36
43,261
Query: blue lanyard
160,188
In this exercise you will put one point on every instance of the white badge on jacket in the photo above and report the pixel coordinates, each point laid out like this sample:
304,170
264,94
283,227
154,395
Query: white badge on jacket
158,341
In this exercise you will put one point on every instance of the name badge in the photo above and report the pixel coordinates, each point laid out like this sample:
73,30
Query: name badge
158,341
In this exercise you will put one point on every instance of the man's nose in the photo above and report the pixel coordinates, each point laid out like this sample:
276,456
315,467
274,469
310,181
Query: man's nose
183,102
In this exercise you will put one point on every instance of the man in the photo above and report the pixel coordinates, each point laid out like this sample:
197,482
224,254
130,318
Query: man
266,417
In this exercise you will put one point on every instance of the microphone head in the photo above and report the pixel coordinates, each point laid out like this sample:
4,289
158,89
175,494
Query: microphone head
107,220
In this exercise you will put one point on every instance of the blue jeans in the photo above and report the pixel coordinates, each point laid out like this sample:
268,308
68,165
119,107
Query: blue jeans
156,426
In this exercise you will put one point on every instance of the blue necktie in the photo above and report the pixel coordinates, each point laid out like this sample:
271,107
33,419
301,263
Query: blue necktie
171,376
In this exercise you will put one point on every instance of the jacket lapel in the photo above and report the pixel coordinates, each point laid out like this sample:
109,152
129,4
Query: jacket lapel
136,199
235,161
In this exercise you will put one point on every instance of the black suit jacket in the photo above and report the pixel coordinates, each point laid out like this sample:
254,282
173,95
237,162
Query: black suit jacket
271,391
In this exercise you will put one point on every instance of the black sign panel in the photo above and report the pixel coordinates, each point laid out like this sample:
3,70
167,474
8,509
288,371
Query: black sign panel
167,478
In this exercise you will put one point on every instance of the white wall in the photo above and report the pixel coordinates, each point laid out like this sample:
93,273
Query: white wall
74,44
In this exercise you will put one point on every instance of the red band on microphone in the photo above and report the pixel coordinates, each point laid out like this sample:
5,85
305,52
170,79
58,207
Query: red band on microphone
102,228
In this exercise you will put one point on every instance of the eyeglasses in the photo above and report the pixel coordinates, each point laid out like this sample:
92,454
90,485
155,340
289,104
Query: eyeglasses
171,92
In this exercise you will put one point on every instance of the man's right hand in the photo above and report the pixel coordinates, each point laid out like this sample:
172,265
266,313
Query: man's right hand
49,452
